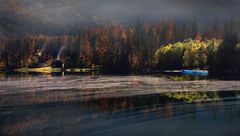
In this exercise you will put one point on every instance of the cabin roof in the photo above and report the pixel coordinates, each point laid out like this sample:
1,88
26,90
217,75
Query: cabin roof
57,64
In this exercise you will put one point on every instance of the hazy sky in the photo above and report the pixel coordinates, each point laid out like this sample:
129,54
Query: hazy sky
204,9
74,11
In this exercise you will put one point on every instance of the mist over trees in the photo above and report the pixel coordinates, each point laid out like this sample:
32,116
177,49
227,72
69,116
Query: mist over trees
59,17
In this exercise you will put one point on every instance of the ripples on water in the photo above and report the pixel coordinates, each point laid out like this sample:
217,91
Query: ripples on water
117,105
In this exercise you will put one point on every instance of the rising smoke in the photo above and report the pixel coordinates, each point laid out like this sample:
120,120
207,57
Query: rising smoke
43,49
63,47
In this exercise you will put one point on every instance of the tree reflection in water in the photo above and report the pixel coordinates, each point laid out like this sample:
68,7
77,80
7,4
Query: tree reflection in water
120,105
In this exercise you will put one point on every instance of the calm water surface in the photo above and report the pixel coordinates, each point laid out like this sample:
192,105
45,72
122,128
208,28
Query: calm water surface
115,105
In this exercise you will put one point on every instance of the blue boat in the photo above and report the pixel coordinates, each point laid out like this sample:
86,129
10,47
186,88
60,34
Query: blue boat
195,72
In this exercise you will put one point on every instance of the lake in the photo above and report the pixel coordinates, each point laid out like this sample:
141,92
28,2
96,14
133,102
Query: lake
118,105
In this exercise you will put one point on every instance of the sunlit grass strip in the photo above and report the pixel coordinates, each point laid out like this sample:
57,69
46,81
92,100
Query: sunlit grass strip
82,70
39,70
50,70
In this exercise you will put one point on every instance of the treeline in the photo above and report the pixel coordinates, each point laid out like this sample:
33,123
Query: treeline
119,47
216,55
192,54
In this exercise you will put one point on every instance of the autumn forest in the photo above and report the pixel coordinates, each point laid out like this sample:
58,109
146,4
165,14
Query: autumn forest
144,46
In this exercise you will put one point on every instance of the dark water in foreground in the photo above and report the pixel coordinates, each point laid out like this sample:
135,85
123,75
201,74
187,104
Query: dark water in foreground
102,105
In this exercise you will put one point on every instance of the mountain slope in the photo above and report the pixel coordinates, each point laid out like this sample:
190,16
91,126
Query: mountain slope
68,16
45,16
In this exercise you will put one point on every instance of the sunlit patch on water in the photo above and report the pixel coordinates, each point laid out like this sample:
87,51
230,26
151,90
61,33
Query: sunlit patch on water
47,89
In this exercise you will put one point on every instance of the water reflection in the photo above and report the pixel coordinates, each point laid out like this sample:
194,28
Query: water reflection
142,115
96,105
41,89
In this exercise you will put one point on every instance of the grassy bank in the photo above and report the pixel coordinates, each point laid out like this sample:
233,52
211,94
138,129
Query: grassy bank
39,70
51,70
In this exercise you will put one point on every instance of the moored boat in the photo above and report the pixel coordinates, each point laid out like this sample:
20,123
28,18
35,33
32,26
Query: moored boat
194,72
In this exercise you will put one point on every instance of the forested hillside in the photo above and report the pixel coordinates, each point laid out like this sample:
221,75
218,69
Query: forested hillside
84,34
51,17
217,55
122,47
58,17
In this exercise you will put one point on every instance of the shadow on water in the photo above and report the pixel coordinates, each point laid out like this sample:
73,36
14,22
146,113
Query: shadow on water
184,113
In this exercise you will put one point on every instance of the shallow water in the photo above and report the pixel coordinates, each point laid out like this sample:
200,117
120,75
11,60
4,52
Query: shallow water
94,105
